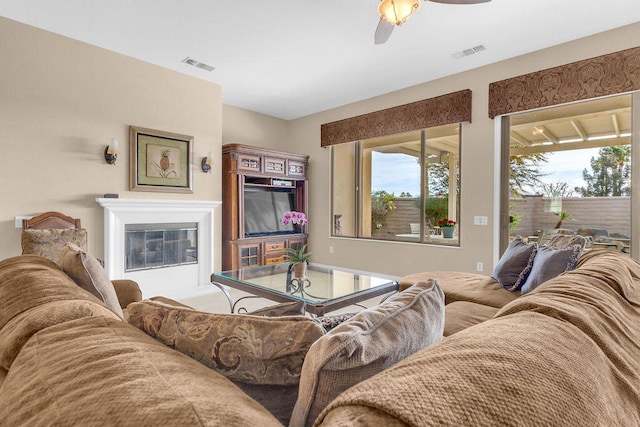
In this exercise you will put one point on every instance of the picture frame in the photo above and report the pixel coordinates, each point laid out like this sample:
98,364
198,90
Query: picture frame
160,161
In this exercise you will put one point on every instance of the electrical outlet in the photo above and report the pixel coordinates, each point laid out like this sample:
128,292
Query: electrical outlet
330,249
479,266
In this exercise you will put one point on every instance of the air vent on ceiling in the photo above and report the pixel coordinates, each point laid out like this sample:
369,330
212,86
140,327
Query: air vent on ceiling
198,64
470,51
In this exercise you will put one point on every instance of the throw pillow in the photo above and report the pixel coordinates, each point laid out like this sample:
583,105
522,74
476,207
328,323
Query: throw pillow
549,263
250,349
332,321
561,241
294,308
89,274
515,264
48,243
366,344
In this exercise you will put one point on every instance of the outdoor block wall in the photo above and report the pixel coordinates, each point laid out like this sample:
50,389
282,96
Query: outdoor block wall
611,213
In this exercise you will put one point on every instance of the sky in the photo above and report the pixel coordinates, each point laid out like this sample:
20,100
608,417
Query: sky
397,173
567,166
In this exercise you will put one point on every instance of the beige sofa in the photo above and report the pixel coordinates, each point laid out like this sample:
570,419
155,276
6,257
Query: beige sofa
470,298
566,354
67,359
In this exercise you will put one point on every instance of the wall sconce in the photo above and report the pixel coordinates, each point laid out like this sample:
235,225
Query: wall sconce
111,152
207,162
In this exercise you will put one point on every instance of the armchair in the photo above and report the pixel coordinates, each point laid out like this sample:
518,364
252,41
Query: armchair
47,233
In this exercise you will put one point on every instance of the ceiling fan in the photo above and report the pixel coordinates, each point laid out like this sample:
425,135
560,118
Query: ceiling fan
395,12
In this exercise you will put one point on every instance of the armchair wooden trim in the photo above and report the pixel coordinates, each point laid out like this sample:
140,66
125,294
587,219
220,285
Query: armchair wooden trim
51,220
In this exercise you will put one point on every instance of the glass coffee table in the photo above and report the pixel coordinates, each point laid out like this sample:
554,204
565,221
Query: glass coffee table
324,288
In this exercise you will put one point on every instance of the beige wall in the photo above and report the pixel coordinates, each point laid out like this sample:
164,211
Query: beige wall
61,102
242,126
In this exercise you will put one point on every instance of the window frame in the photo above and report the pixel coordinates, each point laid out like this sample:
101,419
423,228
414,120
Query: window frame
358,195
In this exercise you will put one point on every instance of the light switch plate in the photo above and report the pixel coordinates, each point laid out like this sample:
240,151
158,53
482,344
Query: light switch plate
19,220
480,220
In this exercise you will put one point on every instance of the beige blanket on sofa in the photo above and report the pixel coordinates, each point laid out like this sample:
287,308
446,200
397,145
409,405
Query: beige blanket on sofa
567,354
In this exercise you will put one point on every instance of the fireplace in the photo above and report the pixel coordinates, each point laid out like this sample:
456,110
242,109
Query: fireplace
164,245
148,246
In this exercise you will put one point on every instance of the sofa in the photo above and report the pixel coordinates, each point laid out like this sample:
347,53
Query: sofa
566,353
66,358
69,356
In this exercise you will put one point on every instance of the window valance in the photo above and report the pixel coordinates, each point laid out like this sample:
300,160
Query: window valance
451,108
610,74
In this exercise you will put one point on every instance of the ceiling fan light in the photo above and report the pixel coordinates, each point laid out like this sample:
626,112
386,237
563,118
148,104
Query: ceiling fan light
397,11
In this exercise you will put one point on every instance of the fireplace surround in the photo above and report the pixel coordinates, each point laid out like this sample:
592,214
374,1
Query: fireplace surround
179,279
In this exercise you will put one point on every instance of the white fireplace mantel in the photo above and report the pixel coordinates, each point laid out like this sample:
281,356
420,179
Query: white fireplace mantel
120,212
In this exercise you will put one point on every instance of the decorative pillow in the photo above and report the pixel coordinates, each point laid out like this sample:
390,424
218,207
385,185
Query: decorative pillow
549,263
49,242
294,308
515,264
87,272
561,241
330,322
366,344
245,348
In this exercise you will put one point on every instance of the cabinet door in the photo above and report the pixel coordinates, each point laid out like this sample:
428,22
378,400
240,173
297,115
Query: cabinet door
296,169
297,244
250,255
247,162
274,166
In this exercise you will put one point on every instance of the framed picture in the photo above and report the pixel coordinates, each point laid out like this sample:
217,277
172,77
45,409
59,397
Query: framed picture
160,161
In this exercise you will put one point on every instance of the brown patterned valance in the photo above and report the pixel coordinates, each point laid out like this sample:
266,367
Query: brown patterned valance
441,110
609,74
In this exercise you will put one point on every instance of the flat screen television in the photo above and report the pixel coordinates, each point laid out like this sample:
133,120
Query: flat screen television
263,209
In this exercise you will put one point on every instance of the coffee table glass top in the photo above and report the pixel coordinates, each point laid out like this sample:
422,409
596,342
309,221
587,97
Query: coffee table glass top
322,286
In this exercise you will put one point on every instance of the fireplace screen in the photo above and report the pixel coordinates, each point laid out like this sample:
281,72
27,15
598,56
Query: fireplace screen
160,245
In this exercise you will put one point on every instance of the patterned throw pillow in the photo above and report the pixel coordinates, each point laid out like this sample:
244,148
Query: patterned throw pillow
245,348
330,322
294,308
49,242
515,264
368,343
562,241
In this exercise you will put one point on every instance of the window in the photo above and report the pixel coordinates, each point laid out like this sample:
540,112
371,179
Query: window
381,185
570,172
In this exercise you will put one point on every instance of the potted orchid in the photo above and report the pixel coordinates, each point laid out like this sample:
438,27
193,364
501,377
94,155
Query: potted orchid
447,226
293,217
297,258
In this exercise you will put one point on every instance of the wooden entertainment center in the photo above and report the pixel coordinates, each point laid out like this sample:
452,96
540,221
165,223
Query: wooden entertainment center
257,185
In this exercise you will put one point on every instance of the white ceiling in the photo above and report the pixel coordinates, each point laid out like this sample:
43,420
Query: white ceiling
291,58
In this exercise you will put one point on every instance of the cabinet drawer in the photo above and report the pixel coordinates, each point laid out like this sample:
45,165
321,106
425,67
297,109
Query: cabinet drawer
272,247
274,260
